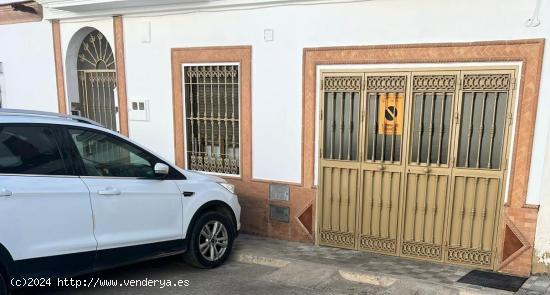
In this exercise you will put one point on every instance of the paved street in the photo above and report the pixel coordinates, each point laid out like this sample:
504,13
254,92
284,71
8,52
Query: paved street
260,264
232,278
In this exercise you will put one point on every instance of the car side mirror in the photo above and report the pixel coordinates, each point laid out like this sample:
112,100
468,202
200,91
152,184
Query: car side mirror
161,169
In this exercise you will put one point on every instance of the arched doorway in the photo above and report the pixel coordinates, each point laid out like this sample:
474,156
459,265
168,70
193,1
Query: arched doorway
96,81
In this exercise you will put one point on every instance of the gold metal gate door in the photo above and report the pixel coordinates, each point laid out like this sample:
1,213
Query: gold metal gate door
339,173
482,132
413,163
429,168
381,168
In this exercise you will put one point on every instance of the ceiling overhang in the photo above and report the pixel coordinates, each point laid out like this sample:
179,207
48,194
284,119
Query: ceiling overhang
13,12
62,9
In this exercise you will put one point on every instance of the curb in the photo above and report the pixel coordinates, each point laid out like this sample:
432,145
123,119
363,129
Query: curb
262,260
366,278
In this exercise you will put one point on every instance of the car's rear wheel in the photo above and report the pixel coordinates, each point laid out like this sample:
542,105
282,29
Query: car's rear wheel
210,241
3,285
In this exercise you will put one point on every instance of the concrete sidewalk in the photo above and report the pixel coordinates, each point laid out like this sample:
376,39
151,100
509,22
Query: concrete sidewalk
308,266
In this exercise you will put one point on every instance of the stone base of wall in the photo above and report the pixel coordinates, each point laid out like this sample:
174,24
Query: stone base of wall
255,219
517,237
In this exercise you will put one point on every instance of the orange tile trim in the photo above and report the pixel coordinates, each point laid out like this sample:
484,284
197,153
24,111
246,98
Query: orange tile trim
58,60
240,54
118,29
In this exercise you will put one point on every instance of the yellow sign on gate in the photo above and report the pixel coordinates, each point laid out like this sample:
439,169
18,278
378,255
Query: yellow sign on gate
390,113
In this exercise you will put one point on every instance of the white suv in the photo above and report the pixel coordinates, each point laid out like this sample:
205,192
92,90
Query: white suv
76,198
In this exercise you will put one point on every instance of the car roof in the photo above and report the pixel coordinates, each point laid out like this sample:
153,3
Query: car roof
39,117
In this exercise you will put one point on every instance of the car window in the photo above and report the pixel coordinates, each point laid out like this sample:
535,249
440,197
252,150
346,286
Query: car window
106,155
30,150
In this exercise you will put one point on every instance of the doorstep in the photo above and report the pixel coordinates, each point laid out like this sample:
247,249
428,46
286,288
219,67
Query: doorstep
306,264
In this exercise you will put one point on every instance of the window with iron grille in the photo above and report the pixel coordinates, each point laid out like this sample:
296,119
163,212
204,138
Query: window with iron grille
212,118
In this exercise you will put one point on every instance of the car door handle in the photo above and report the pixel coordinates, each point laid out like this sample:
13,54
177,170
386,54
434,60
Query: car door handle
188,194
109,192
5,192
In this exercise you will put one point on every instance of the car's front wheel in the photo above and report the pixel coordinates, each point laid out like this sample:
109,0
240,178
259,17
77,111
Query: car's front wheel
3,285
210,241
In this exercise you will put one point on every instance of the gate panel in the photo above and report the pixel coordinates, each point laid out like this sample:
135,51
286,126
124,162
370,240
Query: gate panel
339,165
478,178
424,215
473,220
428,172
339,196
381,168
381,190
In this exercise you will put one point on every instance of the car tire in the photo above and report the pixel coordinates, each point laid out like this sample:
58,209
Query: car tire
3,285
211,240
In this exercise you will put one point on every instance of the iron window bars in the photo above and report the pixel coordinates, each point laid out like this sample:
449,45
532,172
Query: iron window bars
212,118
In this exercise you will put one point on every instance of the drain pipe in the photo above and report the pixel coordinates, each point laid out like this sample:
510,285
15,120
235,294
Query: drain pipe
534,20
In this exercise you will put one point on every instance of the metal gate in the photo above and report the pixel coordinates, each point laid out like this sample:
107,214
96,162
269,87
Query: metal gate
413,163
96,81
97,96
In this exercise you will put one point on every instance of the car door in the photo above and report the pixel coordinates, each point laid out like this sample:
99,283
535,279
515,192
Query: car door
136,214
45,213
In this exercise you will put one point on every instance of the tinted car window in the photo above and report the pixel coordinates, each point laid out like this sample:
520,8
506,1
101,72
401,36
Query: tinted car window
30,150
106,155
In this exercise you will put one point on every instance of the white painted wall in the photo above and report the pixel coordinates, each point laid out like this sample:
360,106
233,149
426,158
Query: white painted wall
277,65
26,54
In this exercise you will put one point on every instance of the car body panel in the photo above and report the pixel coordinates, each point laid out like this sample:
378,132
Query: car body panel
202,196
34,222
145,211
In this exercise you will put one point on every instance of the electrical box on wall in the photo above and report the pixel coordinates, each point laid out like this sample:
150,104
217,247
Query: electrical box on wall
138,110
145,31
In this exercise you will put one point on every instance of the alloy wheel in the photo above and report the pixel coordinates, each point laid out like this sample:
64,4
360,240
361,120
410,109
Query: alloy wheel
213,240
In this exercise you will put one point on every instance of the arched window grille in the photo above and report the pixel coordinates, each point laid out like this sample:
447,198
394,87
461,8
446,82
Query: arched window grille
97,81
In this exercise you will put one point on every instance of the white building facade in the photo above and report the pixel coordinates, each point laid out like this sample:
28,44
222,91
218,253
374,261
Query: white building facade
245,89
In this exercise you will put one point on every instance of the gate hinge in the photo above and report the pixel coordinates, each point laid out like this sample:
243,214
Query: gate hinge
362,116
321,115
510,117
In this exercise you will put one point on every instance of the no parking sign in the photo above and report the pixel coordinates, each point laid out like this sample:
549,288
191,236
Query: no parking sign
390,113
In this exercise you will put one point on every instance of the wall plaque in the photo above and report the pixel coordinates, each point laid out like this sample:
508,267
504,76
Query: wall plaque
279,192
279,213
